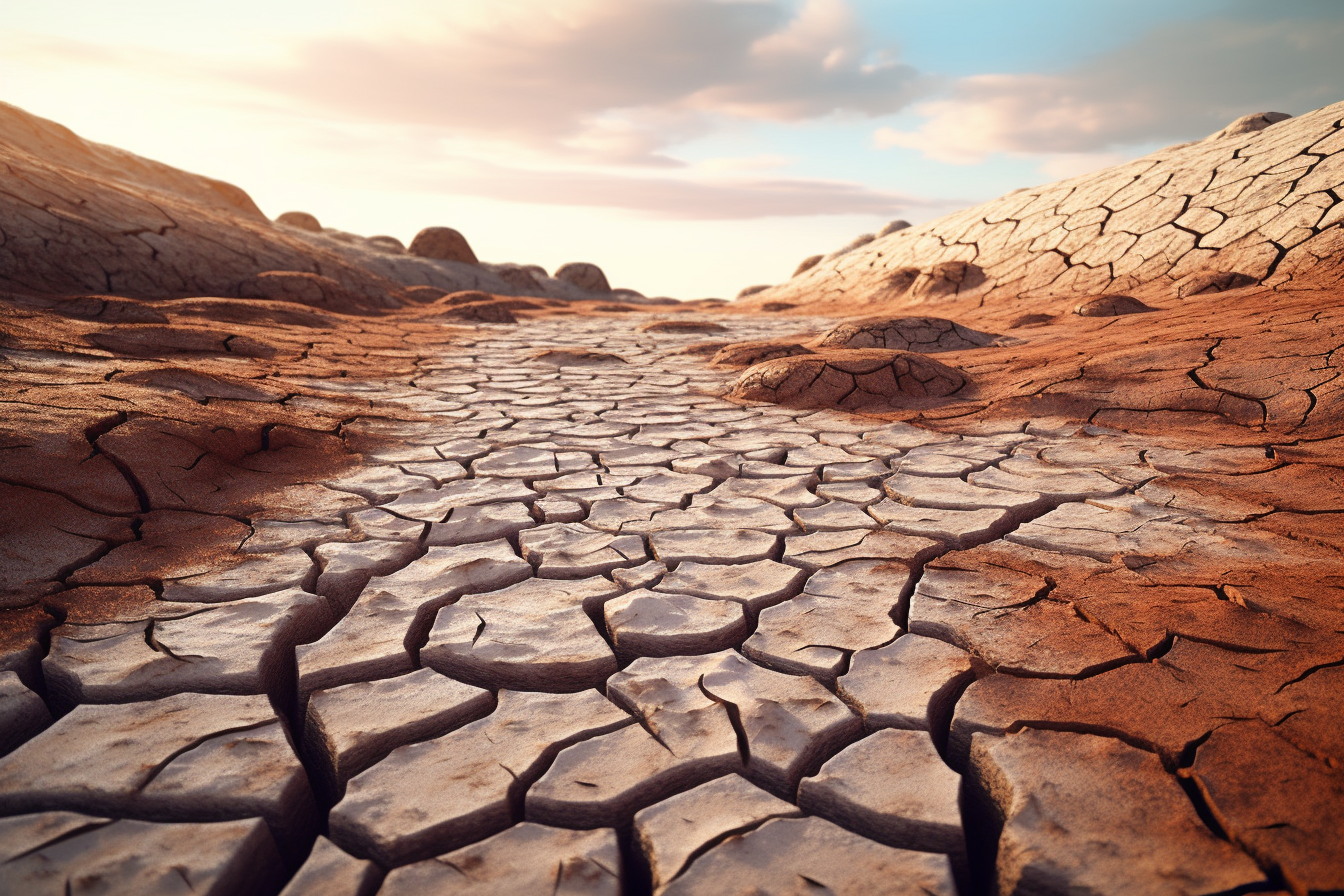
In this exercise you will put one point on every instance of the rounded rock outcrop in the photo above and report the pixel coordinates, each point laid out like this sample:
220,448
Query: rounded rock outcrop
443,244
1111,306
1249,124
807,264
914,334
390,244
301,220
1212,281
849,379
745,354
584,275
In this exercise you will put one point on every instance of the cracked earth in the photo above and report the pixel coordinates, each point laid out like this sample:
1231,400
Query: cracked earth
334,566
568,621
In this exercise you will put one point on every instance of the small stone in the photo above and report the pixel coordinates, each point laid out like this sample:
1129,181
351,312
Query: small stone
442,243
644,576
584,275
1110,306
301,220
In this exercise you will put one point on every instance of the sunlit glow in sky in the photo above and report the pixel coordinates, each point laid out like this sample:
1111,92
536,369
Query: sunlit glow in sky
689,147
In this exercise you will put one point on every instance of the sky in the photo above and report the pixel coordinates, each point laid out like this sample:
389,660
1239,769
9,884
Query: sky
689,147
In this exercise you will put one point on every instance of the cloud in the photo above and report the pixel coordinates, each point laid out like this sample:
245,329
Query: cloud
613,82
1179,82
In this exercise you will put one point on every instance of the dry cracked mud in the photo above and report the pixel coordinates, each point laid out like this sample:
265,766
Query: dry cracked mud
418,600
657,640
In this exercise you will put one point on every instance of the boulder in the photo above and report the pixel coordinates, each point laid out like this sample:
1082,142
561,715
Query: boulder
385,243
807,264
849,379
583,275
914,334
1110,306
1248,124
443,243
301,220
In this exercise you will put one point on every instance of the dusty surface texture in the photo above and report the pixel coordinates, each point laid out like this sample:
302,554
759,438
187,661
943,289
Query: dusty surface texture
423,601
1199,281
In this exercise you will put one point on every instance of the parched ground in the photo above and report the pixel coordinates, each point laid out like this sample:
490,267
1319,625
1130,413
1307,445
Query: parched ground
407,604
1000,554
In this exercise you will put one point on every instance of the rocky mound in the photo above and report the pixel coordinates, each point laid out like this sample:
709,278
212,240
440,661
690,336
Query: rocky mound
915,334
871,380
1255,203
79,217
1196,286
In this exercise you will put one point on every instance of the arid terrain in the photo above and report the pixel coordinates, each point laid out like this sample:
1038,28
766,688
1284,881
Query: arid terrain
996,554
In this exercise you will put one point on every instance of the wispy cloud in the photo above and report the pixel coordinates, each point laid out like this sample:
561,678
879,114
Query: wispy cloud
1179,82
610,82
